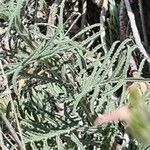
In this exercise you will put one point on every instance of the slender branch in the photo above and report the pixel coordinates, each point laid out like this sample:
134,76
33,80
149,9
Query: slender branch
2,145
8,140
12,104
143,22
102,26
74,22
135,30
83,18
13,133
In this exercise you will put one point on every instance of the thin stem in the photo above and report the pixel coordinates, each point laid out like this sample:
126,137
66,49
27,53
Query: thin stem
143,22
11,129
2,145
12,104
135,30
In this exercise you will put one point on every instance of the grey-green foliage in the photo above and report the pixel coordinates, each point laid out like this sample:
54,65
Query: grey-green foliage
60,70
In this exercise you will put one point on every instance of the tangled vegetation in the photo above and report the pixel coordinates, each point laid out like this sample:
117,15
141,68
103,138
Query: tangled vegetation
63,63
